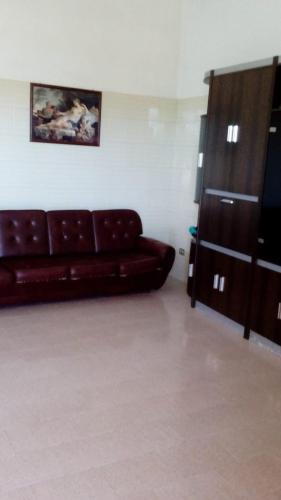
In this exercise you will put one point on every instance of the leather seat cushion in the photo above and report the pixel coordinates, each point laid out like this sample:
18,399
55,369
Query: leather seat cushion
6,278
138,263
92,267
37,270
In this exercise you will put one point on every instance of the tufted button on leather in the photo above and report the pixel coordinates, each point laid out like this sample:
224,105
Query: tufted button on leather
63,222
79,222
14,223
30,238
114,236
15,239
126,235
33,222
81,237
106,222
65,237
131,222
119,222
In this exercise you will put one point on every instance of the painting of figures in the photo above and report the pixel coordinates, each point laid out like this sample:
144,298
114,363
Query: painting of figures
65,115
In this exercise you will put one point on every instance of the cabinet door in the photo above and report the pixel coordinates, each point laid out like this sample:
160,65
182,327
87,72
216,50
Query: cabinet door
266,304
229,222
252,117
217,165
207,277
269,238
243,100
190,273
222,283
200,162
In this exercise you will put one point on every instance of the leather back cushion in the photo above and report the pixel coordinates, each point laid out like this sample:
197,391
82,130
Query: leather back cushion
116,230
23,232
70,231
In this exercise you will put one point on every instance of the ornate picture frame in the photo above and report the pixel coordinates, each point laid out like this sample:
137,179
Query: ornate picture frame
64,115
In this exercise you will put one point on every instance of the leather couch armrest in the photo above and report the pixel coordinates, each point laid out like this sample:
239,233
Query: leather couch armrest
165,252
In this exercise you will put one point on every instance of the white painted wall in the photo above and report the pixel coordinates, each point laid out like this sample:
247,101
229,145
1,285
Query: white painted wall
218,33
128,46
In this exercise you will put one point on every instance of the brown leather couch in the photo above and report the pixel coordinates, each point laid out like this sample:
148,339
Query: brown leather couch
73,253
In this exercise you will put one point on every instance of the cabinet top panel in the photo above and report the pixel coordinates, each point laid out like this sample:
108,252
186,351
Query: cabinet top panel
230,194
240,67
226,251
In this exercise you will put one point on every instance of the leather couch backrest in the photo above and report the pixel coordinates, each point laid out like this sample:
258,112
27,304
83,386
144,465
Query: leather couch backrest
23,232
70,231
116,230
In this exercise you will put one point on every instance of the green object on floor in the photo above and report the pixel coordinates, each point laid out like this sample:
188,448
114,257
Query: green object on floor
193,230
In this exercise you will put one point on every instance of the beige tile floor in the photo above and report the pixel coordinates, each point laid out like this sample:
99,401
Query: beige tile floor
135,398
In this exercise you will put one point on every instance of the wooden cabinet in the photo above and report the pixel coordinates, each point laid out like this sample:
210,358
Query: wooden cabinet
238,118
240,205
266,304
222,283
229,222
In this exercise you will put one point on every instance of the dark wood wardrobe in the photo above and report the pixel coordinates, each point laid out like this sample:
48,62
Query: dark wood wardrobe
235,267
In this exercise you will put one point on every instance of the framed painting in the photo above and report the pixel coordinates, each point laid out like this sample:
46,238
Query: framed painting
65,115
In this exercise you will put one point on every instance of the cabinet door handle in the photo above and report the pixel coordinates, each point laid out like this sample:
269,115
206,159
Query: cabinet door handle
279,311
227,200
200,160
235,133
229,133
216,281
222,283
190,271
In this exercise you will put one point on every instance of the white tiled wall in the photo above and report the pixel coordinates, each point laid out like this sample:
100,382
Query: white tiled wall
183,211
147,161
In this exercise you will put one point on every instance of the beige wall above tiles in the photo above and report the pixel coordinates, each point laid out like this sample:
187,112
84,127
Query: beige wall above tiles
139,47
218,33
147,161
128,46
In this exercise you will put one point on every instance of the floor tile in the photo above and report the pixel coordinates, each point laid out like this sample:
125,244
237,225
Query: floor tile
136,397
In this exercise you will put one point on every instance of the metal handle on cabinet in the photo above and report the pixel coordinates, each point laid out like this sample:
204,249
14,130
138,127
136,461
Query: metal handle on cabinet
235,133
190,270
279,311
227,200
216,281
222,283
200,160
229,133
